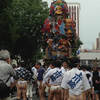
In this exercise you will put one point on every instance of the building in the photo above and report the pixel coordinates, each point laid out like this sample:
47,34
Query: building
74,11
90,57
98,42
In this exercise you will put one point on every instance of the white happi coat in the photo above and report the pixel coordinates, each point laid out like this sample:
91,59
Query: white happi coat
55,75
76,81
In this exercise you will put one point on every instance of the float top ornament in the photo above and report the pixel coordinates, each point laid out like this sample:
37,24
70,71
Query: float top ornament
58,7
58,0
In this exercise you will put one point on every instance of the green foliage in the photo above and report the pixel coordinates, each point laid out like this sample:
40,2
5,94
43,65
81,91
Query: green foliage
78,43
4,4
5,40
25,19
29,16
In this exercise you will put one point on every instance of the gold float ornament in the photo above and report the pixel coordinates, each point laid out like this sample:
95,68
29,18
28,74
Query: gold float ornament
69,34
64,42
69,31
68,22
58,10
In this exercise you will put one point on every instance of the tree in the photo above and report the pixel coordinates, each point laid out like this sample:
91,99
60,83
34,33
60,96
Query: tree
5,40
78,43
28,17
21,33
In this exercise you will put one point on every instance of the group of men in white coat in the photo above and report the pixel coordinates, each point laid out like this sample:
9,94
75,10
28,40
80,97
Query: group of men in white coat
65,82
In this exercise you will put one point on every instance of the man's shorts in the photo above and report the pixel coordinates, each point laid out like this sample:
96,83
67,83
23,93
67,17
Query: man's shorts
76,97
40,84
22,84
58,87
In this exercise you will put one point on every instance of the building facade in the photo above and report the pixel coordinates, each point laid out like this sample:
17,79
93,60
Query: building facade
98,42
90,58
74,11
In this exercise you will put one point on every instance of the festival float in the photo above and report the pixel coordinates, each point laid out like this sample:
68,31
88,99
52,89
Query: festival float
59,32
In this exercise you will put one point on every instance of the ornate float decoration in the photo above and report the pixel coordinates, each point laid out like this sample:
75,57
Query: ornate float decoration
58,31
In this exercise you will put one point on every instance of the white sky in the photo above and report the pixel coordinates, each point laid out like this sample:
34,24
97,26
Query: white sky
89,21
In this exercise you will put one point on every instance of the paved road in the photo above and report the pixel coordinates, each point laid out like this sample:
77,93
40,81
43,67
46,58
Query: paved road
34,98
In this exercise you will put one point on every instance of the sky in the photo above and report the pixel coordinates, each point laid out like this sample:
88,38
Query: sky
89,21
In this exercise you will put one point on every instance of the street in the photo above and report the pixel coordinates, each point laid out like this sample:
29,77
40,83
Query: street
34,98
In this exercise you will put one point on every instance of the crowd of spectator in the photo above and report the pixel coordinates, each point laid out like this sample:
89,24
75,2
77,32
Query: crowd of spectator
59,80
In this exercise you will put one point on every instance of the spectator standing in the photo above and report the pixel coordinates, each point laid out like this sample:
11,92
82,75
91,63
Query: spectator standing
23,77
30,84
87,70
75,81
64,68
6,72
40,73
35,74
53,79
96,82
